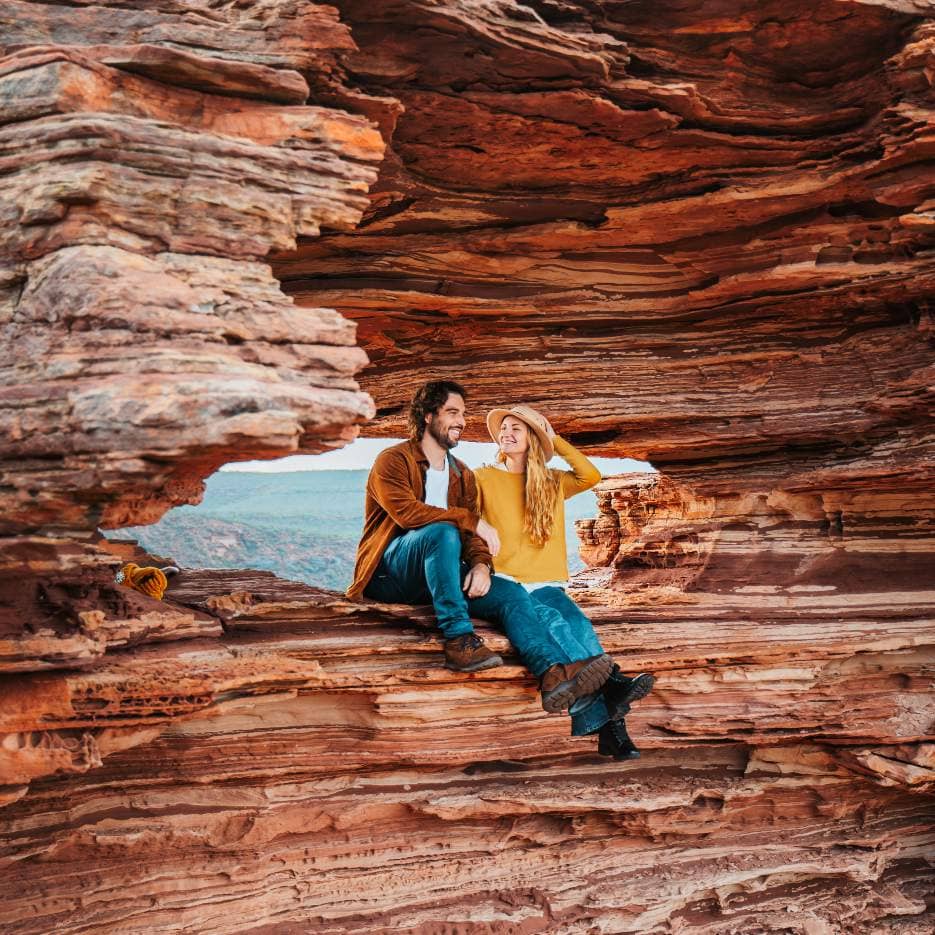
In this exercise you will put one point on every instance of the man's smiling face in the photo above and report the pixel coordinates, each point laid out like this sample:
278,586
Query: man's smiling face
446,425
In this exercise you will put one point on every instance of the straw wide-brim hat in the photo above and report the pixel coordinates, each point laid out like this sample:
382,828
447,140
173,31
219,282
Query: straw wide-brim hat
535,420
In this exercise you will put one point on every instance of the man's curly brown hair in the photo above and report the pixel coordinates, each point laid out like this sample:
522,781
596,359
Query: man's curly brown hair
430,397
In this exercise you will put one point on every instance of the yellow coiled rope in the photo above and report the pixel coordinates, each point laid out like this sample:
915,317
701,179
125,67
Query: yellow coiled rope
150,581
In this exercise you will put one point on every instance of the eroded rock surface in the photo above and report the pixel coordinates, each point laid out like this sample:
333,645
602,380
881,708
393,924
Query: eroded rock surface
690,232
318,740
146,341
150,158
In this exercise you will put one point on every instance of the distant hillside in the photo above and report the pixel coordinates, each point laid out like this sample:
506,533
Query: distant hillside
303,525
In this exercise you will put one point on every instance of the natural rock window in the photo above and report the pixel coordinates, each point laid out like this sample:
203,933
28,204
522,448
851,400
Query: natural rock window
302,519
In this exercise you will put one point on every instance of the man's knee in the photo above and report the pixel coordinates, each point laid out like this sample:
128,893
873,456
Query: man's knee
439,536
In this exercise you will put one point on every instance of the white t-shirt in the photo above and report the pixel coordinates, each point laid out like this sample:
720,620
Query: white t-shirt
436,487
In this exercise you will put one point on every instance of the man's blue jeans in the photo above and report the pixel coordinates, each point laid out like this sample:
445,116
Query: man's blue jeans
423,566
570,627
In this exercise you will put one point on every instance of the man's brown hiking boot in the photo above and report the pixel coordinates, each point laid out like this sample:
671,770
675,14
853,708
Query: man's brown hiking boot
467,653
562,684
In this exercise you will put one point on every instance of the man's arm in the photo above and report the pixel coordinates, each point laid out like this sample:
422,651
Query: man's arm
477,581
473,547
392,489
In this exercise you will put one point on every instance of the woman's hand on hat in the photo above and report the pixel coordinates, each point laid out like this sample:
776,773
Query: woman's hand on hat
546,424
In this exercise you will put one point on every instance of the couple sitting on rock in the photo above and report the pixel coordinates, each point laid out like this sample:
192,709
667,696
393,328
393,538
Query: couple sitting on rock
433,530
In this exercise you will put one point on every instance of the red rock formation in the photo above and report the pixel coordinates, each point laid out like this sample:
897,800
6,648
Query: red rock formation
146,342
700,234
149,160
689,231
319,741
696,232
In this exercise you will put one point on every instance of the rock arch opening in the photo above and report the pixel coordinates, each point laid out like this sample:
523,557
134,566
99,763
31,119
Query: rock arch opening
301,517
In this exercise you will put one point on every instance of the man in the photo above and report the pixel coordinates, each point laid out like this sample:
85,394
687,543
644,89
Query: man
423,542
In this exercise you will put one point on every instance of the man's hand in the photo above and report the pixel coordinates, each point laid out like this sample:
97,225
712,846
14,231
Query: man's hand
489,535
477,581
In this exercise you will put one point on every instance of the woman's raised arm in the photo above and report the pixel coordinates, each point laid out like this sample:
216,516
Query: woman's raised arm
583,474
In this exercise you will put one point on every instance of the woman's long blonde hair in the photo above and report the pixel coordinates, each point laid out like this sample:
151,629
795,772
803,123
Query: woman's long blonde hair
541,490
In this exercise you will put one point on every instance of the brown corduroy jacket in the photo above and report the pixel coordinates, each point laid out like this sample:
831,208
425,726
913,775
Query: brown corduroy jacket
393,506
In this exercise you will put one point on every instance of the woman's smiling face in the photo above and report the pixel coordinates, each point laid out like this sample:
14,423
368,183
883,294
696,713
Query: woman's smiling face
513,437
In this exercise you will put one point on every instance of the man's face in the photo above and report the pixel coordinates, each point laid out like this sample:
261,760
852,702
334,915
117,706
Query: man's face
446,425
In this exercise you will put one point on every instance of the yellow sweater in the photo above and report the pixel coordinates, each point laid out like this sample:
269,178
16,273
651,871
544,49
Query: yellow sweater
501,496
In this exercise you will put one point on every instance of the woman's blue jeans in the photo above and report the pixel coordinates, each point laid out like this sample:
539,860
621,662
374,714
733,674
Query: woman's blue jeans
570,627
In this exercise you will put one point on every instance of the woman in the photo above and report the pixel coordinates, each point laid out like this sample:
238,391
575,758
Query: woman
525,501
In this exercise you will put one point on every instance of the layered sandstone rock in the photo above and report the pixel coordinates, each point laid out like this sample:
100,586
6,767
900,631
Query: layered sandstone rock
149,160
316,767
844,565
697,231
700,233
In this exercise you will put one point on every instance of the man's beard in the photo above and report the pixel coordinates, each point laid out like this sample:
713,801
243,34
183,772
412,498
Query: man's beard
443,439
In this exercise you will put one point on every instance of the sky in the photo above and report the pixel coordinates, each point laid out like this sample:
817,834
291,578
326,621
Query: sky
360,454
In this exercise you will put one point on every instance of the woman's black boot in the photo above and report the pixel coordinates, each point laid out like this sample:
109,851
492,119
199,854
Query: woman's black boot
613,740
619,690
